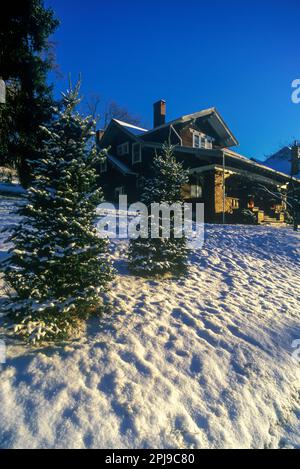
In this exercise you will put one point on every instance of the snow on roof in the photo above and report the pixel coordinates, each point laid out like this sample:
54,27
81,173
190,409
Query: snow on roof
238,155
130,127
121,166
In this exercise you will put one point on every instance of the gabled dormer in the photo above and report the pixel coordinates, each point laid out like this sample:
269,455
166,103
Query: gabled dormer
204,129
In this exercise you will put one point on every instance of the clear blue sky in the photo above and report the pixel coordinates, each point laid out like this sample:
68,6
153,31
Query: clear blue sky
239,56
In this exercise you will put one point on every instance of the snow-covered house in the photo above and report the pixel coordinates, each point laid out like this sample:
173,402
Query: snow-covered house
223,179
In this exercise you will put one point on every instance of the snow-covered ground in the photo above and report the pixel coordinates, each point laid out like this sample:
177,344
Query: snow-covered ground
199,362
11,188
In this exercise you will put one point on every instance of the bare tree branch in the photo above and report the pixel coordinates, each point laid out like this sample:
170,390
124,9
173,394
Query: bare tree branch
114,111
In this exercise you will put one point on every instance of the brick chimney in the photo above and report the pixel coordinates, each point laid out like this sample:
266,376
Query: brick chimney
295,161
159,113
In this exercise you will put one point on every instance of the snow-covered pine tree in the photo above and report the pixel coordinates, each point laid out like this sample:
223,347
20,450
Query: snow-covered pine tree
158,256
59,266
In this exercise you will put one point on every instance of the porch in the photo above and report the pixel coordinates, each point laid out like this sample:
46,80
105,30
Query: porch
228,193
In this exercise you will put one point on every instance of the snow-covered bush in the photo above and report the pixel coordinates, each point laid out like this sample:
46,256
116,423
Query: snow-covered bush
247,217
288,218
242,216
59,266
157,256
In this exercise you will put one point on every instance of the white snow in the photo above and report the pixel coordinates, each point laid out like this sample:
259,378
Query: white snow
130,125
8,219
204,361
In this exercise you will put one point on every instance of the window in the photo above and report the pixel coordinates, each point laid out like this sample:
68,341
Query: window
136,153
123,149
196,141
103,166
119,191
208,143
202,141
196,191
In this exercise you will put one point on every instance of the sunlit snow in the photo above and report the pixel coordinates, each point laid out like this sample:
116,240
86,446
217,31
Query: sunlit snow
202,361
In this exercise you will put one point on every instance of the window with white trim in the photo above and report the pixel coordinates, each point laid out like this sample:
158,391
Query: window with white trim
103,166
136,153
208,143
196,141
202,141
123,149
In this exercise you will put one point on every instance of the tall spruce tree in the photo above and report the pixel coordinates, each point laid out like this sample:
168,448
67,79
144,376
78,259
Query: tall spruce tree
59,266
25,60
158,256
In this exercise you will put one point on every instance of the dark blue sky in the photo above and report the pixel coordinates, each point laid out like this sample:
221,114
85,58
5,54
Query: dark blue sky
239,56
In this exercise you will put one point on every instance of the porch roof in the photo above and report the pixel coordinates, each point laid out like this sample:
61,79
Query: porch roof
228,169
242,161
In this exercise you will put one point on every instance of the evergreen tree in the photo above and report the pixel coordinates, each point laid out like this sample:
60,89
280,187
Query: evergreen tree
59,265
25,59
158,256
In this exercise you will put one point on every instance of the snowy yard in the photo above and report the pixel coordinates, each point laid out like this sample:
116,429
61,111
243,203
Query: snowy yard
199,362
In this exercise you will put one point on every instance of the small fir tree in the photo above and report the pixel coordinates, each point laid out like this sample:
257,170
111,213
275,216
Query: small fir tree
59,266
159,256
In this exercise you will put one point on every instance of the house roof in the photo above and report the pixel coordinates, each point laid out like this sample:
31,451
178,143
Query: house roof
130,130
210,115
214,118
263,177
217,123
